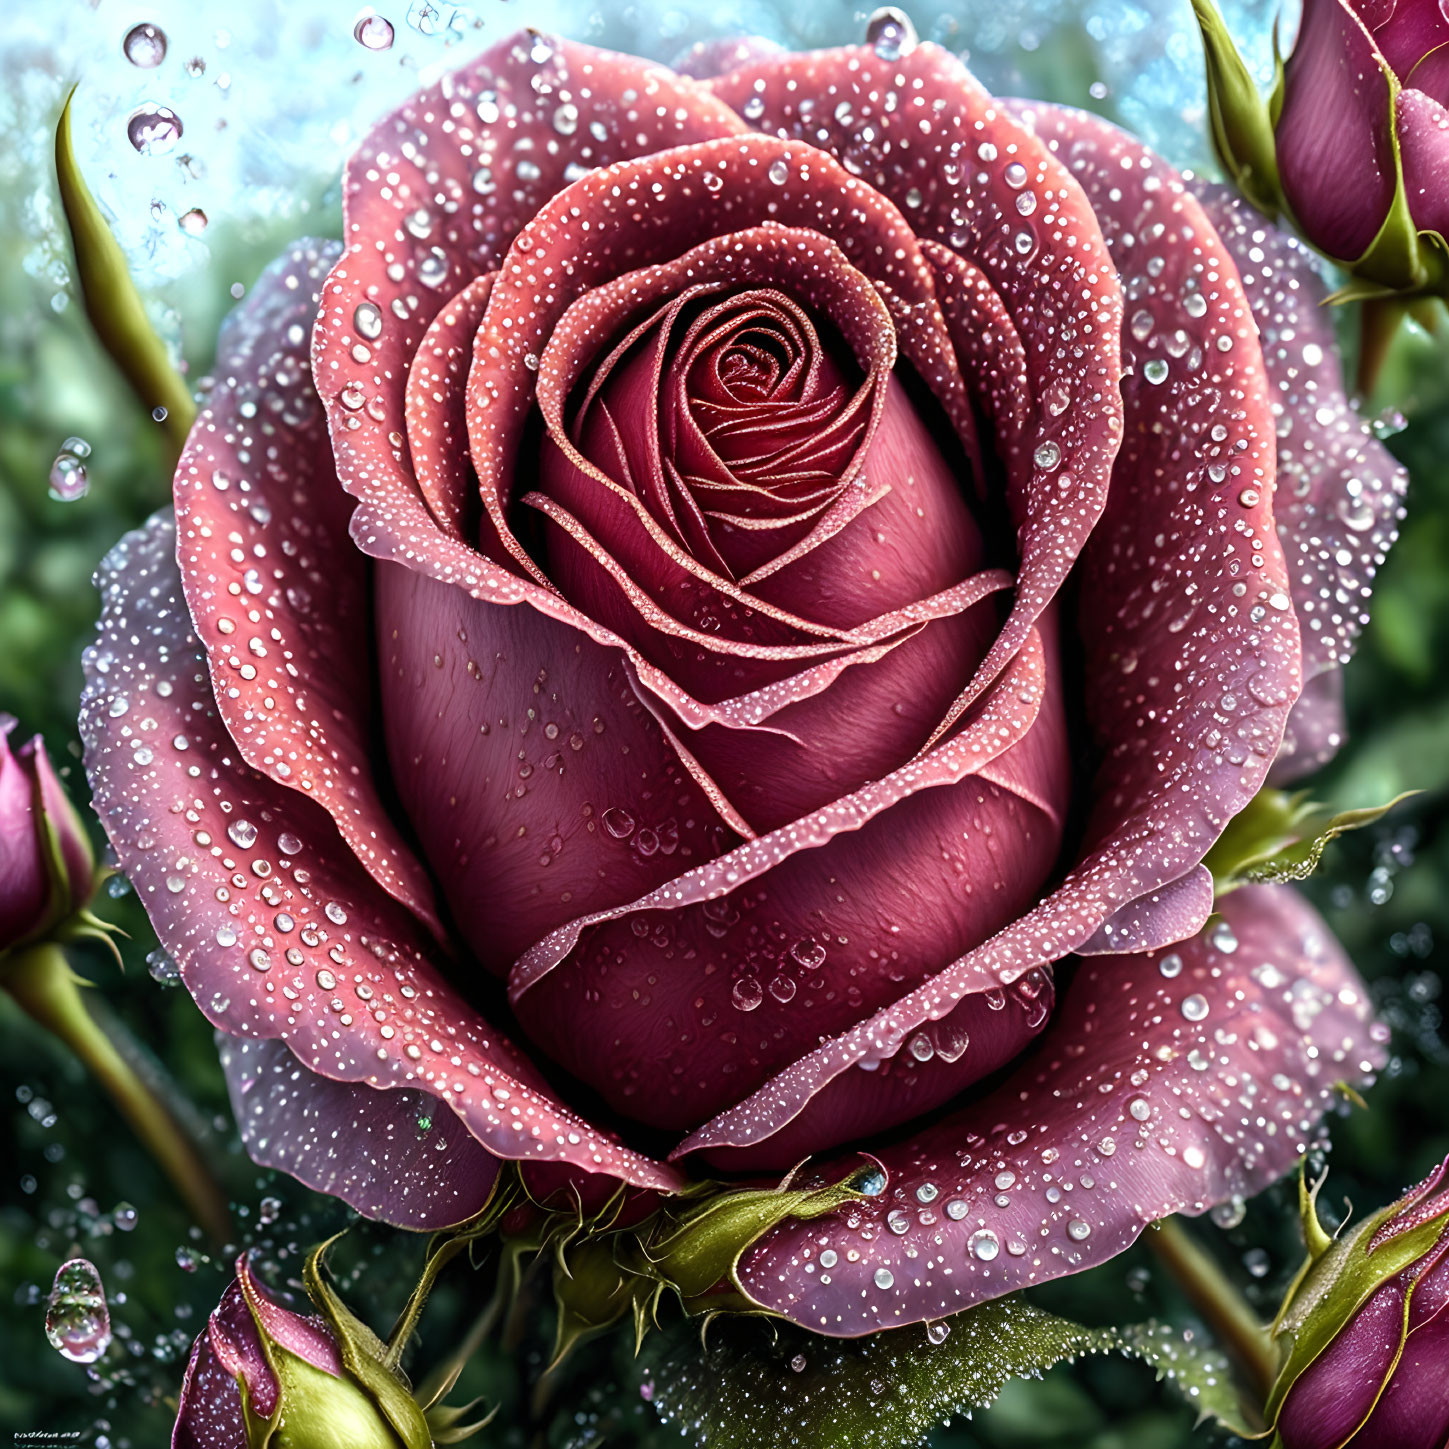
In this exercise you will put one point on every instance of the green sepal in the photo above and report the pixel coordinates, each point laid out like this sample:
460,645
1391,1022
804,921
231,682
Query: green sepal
112,302
1280,836
318,1409
445,1422
1335,1284
702,1247
592,1291
364,1356
1240,120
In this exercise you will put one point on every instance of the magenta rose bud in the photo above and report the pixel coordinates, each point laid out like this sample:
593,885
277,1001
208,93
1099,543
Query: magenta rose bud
261,1374
47,868
1354,142
1368,1332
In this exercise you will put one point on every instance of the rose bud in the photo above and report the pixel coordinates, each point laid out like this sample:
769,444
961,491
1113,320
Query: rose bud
47,868
261,1374
1359,136
1367,1331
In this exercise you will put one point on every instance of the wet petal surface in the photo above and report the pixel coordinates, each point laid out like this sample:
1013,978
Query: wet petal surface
1167,1082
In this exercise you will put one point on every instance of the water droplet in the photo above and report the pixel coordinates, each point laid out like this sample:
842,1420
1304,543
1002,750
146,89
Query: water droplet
1048,455
889,33
367,319
163,970
937,1332
1170,965
619,823
242,833
798,1363
1140,1108
268,1211
1194,1007
984,1245
884,1278
1357,513
782,988
1079,1231
927,1192
779,171
154,130
124,1216
192,222
1014,175
68,478
746,994
77,1320
921,1047
1155,370
144,46
374,32
808,952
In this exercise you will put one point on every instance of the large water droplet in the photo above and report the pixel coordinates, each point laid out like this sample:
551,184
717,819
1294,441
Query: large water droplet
77,1320
889,33
154,130
144,46
374,32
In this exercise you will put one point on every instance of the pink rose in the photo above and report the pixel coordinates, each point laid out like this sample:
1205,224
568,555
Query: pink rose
758,583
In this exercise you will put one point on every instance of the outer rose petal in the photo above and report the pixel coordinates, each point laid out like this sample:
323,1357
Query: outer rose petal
368,1148
1166,1083
209,1414
1423,126
278,931
1340,491
924,133
1191,644
1334,138
274,584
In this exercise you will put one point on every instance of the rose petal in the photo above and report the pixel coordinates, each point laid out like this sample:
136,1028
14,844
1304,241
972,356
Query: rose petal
273,582
537,783
1423,126
437,192
674,1004
1191,644
923,132
637,214
437,427
209,1413
1410,33
706,58
1340,491
368,1148
1166,1083
278,931
1335,123
1172,913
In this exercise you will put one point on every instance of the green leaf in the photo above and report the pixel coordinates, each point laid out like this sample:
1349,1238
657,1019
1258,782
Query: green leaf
770,1385
1281,837
1242,129
112,303
1200,1373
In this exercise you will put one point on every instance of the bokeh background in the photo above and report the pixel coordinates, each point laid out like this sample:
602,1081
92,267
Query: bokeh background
243,114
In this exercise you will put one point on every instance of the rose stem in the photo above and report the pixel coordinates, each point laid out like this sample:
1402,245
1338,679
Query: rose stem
44,986
1221,1306
1379,320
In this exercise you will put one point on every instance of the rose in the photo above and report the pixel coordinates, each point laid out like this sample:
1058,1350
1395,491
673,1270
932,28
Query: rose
261,1373
813,532
1363,98
1364,1332
1354,141
47,868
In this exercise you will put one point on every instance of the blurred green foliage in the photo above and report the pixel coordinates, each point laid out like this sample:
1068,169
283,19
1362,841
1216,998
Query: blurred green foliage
68,1163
